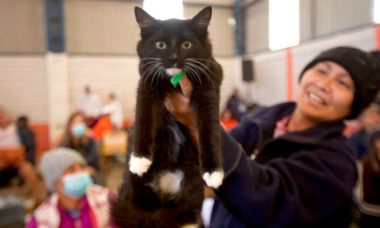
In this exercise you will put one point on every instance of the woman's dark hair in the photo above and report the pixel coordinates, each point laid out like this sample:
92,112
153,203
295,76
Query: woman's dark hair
22,121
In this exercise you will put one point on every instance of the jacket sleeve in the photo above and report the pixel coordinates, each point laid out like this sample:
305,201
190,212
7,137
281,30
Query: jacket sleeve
32,223
246,134
297,191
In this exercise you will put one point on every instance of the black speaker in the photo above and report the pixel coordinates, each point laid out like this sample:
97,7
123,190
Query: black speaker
248,71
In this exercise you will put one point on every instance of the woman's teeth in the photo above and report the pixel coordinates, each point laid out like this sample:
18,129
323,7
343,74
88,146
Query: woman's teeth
316,98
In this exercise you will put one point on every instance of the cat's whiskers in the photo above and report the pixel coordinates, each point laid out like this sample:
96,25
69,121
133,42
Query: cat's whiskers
146,73
207,75
200,67
196,71
152,69
157,74
205,60
153,72
193,74
146,64
206,68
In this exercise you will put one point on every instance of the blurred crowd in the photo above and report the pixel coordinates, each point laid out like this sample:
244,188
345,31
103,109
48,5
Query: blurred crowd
73,162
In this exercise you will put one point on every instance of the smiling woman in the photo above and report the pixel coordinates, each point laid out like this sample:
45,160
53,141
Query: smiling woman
303,173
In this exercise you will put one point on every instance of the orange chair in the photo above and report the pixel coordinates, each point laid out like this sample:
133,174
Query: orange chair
102,126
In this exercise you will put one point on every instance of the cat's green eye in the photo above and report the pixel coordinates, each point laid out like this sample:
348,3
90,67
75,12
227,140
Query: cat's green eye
186,45
160,45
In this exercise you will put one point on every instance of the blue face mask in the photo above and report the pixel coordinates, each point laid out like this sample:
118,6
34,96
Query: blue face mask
78,129
75,185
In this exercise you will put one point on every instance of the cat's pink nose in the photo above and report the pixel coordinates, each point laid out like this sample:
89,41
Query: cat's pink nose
173,59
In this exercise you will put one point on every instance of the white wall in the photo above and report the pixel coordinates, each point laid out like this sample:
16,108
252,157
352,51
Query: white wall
26,83
22,26
23,86
105,74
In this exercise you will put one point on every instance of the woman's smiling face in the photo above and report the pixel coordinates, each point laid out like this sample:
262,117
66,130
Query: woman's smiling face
326,92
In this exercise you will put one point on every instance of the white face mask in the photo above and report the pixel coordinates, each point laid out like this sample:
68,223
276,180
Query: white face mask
75,185
78,129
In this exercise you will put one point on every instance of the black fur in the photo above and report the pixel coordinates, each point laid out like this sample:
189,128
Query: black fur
158,137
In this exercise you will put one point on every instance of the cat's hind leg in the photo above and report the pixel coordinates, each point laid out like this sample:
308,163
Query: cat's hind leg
207,111
148,118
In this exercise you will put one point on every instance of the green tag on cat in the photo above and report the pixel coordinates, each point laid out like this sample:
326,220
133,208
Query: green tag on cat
176,78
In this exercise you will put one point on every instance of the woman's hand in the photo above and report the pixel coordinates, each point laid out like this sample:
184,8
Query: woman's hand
178,105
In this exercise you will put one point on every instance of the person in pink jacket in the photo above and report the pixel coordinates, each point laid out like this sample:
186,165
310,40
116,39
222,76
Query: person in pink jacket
75,201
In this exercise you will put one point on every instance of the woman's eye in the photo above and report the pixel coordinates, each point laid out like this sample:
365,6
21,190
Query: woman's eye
186,45
160,45
321,71
343,83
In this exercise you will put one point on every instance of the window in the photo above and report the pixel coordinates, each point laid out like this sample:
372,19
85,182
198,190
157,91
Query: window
284,24
376,11
164,9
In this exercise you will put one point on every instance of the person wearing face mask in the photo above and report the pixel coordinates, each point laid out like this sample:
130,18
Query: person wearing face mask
77,137
75,201
303,172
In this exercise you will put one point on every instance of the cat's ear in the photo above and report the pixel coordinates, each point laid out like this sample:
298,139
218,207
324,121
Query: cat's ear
202,19
143,18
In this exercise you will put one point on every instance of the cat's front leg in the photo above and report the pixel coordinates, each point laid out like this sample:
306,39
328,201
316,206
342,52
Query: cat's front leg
145,132
139,165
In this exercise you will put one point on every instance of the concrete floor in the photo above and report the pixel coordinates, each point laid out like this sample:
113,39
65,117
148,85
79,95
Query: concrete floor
114,174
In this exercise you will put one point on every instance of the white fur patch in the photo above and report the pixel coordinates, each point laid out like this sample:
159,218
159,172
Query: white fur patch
170,182
173,71
139,165
214,179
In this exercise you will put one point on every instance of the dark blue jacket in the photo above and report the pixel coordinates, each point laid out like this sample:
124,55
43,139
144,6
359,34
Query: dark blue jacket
300,179
359,143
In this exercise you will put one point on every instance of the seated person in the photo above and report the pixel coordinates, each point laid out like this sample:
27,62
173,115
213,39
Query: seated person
114,109
12,159
227,121
78,138
236,105
75,199
27,138
369,120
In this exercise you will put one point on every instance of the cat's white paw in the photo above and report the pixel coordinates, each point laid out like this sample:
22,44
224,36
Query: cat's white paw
214,179
139,165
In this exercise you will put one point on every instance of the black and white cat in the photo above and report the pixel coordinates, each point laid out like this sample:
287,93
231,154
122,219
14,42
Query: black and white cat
163,185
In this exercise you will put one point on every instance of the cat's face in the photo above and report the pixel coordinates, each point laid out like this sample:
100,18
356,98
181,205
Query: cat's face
173,44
